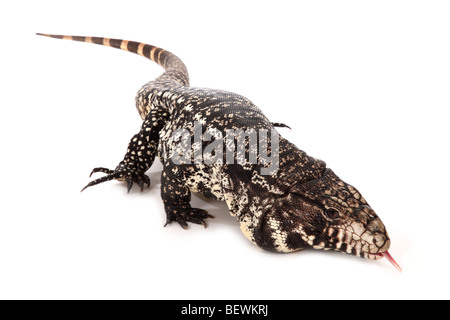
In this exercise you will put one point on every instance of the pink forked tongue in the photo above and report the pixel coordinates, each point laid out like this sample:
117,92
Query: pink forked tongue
387,255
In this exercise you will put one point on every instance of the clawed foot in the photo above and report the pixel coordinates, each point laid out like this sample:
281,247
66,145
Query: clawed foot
121,173
183,214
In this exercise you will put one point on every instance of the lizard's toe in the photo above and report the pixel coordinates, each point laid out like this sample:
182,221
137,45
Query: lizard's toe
184,214
121,173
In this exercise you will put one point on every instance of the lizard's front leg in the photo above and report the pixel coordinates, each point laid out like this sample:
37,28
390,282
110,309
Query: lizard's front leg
177,196
140,154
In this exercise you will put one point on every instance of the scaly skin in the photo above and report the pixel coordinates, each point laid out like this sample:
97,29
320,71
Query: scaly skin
301,205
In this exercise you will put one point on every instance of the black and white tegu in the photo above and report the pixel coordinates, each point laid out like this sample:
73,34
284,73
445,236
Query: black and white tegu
220,144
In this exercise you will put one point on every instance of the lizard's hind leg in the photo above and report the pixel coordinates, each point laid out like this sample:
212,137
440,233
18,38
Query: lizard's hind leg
140,154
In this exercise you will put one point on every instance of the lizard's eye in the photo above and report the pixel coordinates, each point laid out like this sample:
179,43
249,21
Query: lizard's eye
332,213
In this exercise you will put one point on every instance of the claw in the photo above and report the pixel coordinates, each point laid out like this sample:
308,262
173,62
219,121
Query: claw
120,173
142,180
280,125
202,214
141,185
101,169
181,222
102,179
147,180
129,180
184,214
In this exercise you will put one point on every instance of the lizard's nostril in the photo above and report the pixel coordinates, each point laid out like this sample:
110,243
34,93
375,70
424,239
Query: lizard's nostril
376,226
382,242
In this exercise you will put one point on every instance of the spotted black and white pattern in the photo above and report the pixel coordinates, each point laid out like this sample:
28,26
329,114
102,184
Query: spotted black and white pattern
301,205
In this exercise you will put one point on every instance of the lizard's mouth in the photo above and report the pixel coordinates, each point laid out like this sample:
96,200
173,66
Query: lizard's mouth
386,255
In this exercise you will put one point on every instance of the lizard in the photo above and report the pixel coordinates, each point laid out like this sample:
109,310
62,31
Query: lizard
302,204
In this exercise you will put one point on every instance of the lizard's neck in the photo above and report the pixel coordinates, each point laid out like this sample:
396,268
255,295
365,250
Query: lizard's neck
252,197
293,165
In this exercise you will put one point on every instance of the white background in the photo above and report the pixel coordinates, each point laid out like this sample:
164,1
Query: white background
364,85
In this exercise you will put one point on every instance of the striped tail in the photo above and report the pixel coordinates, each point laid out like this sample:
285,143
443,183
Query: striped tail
175,68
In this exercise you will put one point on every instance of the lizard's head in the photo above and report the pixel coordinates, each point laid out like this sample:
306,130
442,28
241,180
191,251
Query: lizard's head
328,214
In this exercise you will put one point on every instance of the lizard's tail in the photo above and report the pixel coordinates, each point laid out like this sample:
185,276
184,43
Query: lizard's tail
175,68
